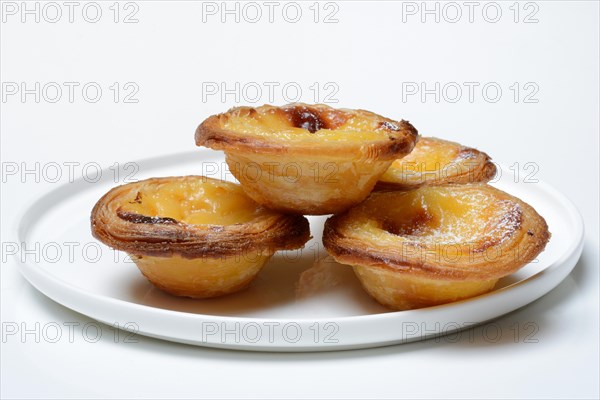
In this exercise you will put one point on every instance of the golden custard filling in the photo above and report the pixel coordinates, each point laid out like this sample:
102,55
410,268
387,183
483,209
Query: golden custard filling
194,236
306,159
299,123
435,244
193,201
427,156
435,161
434,215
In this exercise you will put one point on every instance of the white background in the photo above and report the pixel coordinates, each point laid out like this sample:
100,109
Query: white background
367,55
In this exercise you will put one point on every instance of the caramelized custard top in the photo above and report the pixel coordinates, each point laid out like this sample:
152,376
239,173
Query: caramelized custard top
441,215
192,200
301,122
435,160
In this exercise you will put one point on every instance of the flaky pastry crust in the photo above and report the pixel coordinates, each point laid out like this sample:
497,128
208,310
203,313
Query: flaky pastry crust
164,236
307,129
194,236
309,159
435,161
436,244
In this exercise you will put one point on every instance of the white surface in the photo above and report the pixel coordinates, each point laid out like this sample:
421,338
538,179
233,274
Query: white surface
301,301
369,53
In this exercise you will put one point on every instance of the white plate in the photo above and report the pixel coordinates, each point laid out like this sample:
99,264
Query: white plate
295,304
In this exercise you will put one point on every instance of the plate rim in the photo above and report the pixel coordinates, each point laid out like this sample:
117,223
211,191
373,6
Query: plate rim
32,273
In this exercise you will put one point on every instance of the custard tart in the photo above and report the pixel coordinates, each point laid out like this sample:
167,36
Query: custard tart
307,159
194,236
435,244
434,162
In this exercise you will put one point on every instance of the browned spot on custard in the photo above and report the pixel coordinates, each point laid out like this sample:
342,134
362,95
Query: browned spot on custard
138,198
143,219
313,119
415,226
305,118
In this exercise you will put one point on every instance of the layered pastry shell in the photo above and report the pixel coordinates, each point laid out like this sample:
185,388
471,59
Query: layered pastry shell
308,159
435,161
435,244
194,236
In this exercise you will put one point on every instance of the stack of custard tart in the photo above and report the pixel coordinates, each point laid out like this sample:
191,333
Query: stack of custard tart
413,216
